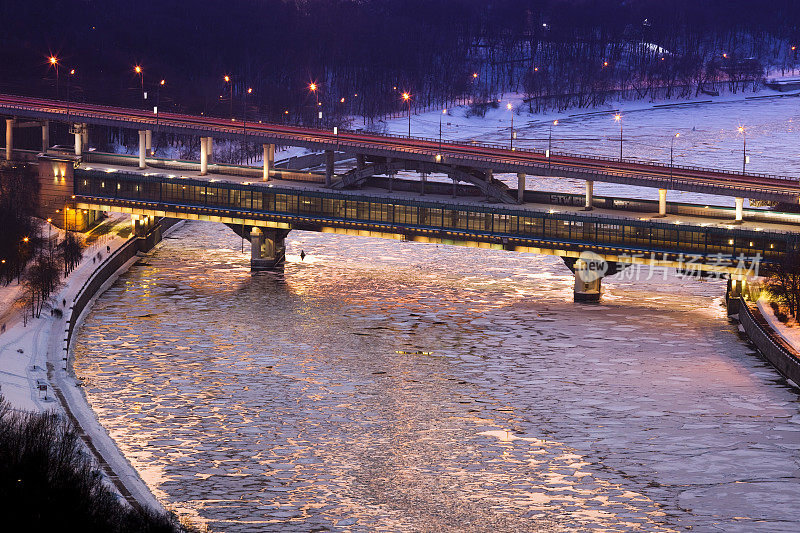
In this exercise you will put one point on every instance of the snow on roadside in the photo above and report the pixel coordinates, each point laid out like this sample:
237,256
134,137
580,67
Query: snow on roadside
790,334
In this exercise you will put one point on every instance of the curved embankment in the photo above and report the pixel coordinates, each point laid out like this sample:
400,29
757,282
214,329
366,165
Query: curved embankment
119,471
769,343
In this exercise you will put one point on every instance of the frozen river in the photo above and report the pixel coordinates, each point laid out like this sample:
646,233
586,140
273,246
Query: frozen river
390,386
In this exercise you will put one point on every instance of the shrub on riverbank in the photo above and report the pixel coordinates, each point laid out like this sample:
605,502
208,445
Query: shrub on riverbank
48,483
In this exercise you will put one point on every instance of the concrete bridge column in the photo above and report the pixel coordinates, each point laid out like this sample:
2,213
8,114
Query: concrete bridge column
422,184
489,176
78,140
85,135
45,135
267,248
203,156
142,141
148,141
361,161
662,202
210,149
589,205
328,167
586,289
269,160
739,210
455,187
9,137
520,187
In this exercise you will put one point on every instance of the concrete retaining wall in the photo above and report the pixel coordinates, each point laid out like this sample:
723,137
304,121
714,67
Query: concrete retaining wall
771,345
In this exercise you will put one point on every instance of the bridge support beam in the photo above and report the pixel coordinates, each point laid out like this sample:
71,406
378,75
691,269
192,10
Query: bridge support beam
662,202
328,167
361,161
9,138
203,156
589,204
520,187
267,248
586,291
148,141
489,177
269,160
423,181
739,210
142,148
45,135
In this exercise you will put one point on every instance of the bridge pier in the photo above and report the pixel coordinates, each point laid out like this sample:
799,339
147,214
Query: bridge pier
267,248
148,141
739,211
361,161
77,132
662,202
142,148
520,187
424,179
45,135
203,156
269,160
589,204
489,176
589,269
9,138
328,167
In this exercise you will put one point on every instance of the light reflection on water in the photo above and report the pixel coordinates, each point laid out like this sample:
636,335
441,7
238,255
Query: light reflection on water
384,386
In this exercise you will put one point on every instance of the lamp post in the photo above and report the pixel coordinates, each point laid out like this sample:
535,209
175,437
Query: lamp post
511,109
618,118
244,120
444,112
671,150
157,110
71,73
54,62
550,142
49,241
407,98
744,148
313,88
138,70
230,85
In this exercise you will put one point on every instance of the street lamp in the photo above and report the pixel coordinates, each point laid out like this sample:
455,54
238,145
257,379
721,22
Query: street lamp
407,98
138,70
244,120
618,118
550,142
313,88
444,112
671,149
511,108
230,85
744,148
71,73
54,63
158,104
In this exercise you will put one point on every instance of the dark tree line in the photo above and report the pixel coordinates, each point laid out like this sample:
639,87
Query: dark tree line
18,230
363,54
48,483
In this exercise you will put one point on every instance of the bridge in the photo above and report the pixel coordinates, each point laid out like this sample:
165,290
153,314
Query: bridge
264,204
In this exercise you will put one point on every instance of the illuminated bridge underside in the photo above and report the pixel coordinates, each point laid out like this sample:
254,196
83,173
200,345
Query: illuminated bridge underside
622,240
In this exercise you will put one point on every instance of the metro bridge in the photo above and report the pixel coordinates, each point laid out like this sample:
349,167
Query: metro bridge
265,204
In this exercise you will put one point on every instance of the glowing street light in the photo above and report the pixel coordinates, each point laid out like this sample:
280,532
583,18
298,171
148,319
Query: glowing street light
511,109
138,70
744,148
671,148
227,80
407,98
54,63
550,142
618,118
313,88
444,112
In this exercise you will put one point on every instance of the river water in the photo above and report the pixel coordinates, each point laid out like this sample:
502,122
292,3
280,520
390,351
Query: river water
390,386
